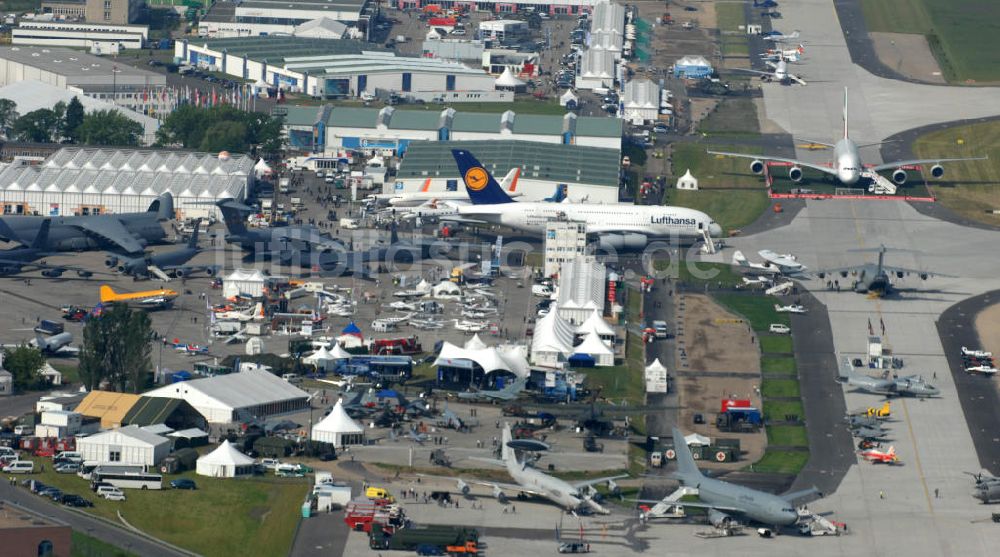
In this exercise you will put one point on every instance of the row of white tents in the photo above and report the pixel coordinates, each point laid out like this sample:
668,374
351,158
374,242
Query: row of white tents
554,340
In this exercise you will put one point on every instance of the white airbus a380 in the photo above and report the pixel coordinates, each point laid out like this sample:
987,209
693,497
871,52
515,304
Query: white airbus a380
846,164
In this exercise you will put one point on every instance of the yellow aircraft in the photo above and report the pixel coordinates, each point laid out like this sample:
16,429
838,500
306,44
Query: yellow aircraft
149,299
883,412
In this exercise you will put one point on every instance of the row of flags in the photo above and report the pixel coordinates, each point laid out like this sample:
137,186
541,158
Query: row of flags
158,103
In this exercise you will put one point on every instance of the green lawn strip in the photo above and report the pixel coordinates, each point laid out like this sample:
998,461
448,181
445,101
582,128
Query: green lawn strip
778,409
88,546
784,366
776,344
787,436
715,171
222,517
779,388
758,309
781,462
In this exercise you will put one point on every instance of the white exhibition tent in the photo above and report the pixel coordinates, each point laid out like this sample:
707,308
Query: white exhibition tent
508,80
225,462
508,358
597,325
321,359
475,343
338,353
568,96
553,339
697,440
338,429
594,347
446,289
244,282
655,367
687,181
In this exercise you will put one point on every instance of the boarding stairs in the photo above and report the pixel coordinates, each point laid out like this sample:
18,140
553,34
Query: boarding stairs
879,185
778,289
671,505
812,524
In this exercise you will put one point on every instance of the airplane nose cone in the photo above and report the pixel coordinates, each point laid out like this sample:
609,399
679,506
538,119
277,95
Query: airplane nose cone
715,230
848,177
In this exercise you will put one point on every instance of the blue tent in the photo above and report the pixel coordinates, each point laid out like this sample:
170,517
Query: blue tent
387,393
351,329
582,360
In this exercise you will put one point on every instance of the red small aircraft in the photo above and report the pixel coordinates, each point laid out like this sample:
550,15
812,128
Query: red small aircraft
876,456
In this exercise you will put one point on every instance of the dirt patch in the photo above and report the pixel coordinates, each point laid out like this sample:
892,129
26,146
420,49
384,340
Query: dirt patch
988,327
706,327
700,108
908,54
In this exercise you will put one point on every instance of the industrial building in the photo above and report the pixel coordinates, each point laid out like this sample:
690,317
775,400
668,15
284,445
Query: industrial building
84,73
237,397
68,9
25,532
641,101
554,7
331,130
334,68
582,173
78,180
105,38
255,18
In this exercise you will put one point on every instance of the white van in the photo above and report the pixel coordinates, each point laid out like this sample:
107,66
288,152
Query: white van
111,493
7,452
23,430
780,329
541,290
71,456
20,467
350,224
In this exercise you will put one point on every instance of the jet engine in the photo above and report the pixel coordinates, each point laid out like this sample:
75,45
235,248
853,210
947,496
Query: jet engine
795,174
463,487
210,271
52,273
899,274
937,171
131,266
720,519
757,166
899,176
84,274
923,276
182,272
111,261
618,242
499,494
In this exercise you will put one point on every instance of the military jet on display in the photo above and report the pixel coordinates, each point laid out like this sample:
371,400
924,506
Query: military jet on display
982,369
779,73
726,501
21,258
912,385
874,277
508,393
573,497
877,456
273,242
976,353
163,265
55,345
127,232
791,308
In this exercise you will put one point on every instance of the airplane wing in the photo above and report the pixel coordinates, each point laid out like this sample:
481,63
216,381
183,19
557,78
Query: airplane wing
608,229
113,231
796,79
596,481
778,259
811,494
695,504
758,72
904,270
914,162
820,167
25,265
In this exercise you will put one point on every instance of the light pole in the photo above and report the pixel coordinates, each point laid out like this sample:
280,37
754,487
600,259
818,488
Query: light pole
114,84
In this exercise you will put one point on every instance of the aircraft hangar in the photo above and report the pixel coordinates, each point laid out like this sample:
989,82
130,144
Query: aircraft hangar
85,181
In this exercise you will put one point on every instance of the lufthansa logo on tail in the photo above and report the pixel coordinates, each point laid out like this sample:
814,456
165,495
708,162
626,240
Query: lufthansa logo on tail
476,178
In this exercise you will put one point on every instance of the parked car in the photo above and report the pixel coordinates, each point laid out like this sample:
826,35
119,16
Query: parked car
183,483
780,328
98,485
72,500
67,468
270,463
53,493
574,547
111,493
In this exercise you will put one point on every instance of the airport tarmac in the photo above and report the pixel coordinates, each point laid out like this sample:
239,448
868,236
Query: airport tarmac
879,107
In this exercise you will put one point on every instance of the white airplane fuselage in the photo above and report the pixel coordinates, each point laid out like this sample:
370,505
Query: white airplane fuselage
554,489
847,161
651,221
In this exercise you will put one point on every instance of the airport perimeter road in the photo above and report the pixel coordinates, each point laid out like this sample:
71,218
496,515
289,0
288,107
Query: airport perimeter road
879,107
923,506
81,522
980,400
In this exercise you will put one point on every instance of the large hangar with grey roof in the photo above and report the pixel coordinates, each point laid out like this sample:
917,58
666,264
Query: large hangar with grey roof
588,173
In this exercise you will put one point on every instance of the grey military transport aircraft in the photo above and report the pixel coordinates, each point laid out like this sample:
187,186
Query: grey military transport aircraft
911,385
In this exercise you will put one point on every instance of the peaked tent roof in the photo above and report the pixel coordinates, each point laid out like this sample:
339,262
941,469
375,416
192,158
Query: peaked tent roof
338,421
569,95
351,329
338,353
507,79
475,343
592,344
553,333
489,358
595,324
321,355
226,454
656,367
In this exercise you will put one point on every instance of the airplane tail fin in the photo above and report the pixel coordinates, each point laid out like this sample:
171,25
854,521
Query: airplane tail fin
560,194
427,186
42,238
845,112
483,189
193,241
233,216
163,206
886,409
892,451
107,294
685,461
739,259
511,179
506,453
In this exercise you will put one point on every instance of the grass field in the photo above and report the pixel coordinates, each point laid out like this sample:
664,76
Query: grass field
732,209
968,188
733,116
729,17
779,388
777,410
778,344
20,6
621,382
223,517
697,272
787,436
961,33
713,171
781,462
758,309
87,546
778,365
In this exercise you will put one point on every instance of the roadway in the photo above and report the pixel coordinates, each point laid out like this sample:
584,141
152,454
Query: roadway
81,522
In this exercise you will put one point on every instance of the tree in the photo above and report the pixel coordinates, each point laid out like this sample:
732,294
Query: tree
25,363
108,127
38,126
116,349
225,136
74,119
213,129
8,115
